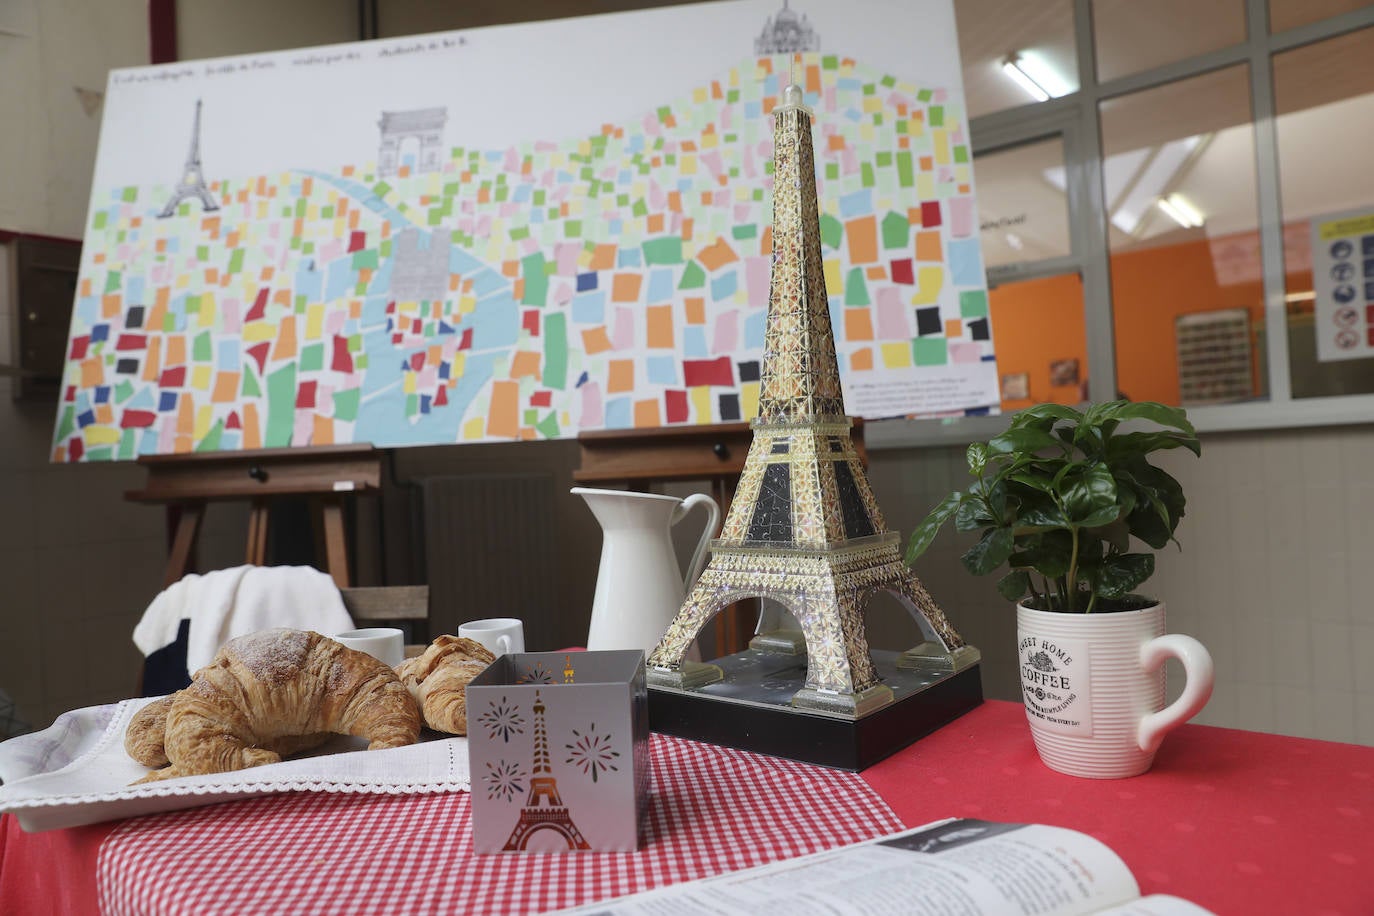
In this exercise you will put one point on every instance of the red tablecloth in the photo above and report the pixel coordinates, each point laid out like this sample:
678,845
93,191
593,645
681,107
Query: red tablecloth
713,810
1239,822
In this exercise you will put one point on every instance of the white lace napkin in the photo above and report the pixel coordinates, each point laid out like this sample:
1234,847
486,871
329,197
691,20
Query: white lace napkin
77,772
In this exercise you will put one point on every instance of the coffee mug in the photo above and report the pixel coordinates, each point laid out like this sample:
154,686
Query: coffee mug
500,635
386,644
1093,685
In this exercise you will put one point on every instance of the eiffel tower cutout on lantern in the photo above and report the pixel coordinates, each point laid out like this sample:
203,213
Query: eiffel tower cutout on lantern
804,529
544,809
192,183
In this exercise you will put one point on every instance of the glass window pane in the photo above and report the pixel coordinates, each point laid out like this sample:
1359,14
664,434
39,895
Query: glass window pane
1288,14
1187,301
1131,35
1040,35
1022,208
1042,344
1324,97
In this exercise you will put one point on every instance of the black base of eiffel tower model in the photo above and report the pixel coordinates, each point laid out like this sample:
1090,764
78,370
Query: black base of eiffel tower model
804,530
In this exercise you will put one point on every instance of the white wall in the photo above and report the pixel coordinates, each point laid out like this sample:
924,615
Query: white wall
1272,576
48,50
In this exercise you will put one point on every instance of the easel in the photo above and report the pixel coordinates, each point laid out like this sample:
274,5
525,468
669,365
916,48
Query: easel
326,474
641,458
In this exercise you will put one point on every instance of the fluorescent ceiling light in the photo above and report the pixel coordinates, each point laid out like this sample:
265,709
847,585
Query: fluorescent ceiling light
1180,211
1011,66
1152,182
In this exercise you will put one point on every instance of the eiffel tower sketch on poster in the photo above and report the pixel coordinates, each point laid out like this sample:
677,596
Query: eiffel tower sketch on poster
544,809
804,529
192,181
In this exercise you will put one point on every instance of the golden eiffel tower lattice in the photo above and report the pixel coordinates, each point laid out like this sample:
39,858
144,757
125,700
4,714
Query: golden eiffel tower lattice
804,529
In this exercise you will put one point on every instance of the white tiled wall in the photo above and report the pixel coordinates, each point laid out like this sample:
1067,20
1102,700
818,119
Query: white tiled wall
1273,575
78,563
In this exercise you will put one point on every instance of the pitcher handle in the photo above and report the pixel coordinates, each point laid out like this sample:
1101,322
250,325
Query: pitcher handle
1200,672
712,520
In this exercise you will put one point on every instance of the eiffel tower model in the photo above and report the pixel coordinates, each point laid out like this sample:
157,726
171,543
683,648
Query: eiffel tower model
192,183
804,529
544,809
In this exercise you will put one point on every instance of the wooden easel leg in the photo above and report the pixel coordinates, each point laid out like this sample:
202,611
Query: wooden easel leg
183,542
335,542
257,533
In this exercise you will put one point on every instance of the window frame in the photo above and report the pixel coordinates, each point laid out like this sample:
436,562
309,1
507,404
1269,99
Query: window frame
1075,118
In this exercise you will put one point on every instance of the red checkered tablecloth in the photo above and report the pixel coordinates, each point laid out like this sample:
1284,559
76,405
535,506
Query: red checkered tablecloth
713,810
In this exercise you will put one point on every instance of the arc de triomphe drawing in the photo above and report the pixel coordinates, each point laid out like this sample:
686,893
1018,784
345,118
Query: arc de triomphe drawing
424,124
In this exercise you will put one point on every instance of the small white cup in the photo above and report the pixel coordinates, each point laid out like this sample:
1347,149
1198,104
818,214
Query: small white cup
499,635
386,644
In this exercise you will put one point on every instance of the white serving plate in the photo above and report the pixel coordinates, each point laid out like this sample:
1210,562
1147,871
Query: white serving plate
76,772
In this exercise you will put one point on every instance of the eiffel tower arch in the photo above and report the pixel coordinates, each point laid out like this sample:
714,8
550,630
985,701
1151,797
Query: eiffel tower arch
804,528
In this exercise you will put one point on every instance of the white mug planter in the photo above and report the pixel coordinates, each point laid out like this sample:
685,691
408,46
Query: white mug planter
1093,686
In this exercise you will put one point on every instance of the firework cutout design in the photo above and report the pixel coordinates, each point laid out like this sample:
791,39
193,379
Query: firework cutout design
502,720
591,752
536,675
505,780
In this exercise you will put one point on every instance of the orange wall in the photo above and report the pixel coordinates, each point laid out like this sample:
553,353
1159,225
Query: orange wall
1037,321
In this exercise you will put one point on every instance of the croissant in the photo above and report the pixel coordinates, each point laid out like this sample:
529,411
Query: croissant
267,695
438,680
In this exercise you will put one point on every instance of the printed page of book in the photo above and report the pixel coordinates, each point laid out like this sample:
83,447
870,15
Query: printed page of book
1158,905
950,868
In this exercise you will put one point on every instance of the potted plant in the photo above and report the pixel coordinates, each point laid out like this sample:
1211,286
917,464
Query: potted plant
1062,498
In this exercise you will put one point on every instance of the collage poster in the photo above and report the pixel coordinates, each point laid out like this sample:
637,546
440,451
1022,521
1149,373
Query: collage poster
519,232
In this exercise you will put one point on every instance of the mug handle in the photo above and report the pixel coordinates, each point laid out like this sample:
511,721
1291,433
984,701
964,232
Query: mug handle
1200,674
712,520
504,643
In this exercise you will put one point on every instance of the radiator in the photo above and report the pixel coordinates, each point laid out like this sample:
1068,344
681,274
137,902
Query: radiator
489,551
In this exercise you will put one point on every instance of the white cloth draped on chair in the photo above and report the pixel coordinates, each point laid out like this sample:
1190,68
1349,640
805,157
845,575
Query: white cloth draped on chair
225,603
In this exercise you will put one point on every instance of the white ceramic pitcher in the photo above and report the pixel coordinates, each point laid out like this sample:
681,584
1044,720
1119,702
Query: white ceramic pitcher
639,586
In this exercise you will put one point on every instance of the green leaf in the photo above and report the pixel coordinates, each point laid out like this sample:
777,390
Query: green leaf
990,552
1129,444
1015,585
1171,417
972,515
1032,480
1150,521
1090,498
1023,440
926,531
1048,411
1118,576
977,457
1043,517
1047,553
1117,533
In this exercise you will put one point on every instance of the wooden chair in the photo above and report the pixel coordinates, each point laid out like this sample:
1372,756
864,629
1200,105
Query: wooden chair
406,606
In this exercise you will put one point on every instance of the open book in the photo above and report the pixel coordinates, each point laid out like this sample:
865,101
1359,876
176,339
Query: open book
949,867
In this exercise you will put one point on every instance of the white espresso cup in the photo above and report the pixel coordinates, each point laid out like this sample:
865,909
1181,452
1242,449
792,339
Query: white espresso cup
386,644
499,635
1093,685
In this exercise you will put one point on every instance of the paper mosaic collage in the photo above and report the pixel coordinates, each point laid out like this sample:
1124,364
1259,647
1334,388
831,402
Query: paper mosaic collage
437,293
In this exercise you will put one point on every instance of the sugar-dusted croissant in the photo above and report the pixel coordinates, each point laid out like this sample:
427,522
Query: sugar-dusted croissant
438,680
269,694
